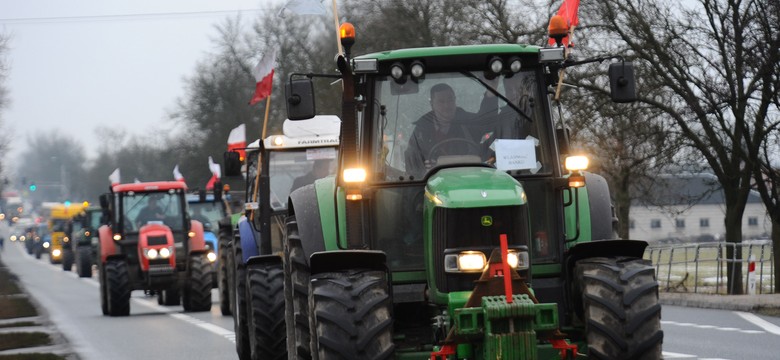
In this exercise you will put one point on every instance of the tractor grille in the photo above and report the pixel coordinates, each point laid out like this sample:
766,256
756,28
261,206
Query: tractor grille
460,229
157,240
160,270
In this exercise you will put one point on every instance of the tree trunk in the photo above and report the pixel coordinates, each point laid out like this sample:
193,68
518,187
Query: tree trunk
775,247
733,222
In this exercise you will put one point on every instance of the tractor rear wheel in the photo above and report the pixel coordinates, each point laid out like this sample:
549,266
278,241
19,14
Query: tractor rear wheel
84,262
296,293
265,320
240,327
620,305
222,271
117,287
169,297
351,315
196,295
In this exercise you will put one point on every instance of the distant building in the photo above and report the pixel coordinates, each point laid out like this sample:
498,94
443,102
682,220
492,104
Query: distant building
691,208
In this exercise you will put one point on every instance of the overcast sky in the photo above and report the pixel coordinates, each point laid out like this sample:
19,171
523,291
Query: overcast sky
78,64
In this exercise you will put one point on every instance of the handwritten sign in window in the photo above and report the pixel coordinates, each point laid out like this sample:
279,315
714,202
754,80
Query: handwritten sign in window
512,154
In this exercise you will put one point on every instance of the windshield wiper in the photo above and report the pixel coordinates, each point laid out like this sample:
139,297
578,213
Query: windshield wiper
500,95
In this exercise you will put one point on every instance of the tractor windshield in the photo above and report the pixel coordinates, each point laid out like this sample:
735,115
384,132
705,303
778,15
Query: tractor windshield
459,118
139,209
209,213
293,169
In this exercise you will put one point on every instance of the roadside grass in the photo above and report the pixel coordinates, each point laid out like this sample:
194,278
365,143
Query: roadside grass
32,356
18,340
18,324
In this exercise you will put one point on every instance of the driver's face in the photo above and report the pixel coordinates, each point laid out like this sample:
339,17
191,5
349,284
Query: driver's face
443,105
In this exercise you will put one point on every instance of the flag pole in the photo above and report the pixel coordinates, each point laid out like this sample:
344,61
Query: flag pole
259,156
336,22
561,72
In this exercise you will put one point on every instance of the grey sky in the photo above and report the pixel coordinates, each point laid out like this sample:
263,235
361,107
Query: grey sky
79,66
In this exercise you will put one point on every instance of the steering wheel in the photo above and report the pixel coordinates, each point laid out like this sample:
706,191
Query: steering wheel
440,144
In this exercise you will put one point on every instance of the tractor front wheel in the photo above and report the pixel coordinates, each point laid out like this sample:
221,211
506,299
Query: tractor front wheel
197,289
169,297
240,326
84,262
620,306
103,291
351,315
67,259
265,320
117,287
296,293
222,270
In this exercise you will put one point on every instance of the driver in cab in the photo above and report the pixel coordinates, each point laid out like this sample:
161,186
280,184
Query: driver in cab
151,212
442,130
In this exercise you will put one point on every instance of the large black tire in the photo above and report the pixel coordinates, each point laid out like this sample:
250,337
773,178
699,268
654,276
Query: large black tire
169,297
265,295
196,294
296,293
38,252
67,259
84,262
620,308
117,288
240,326
103,292
225,234
351,315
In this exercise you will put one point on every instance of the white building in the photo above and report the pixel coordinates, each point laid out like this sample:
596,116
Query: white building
691,208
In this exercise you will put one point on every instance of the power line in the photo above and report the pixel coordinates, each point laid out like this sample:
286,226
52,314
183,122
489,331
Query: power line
122,17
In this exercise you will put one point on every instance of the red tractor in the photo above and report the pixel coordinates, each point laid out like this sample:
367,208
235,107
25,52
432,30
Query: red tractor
151,244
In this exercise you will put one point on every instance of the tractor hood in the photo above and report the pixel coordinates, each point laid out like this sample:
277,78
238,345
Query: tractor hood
473,187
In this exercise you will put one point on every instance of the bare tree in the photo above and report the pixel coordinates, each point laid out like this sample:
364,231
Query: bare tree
703,61
5,137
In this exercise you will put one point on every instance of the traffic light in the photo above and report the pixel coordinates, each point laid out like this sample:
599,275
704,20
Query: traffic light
33,187
67,203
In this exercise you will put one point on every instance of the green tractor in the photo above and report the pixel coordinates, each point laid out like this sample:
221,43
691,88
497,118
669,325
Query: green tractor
446,154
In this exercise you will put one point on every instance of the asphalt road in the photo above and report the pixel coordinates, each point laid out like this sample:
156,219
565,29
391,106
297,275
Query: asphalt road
158,332
150,332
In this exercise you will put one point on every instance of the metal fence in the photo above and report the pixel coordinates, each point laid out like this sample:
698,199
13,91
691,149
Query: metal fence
703,267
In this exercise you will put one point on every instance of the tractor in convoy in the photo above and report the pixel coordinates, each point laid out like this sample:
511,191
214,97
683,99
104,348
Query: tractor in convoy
60,217
305,152
458,225
84,239
150,243
209,209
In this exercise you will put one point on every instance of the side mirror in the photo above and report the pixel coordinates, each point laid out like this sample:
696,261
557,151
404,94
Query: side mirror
218,192
622,84
299,94
232,161
105,206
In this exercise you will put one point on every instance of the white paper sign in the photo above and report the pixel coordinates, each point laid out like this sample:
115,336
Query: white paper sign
320,153
515,154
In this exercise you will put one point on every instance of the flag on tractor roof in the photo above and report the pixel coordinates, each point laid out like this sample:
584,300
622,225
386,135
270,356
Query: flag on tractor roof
237,140
216,173
569,11
114,177
177,174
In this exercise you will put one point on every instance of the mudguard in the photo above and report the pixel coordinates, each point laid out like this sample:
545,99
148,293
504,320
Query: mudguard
247,237
330,261
304,205
197,244
600,206
107,245
604,248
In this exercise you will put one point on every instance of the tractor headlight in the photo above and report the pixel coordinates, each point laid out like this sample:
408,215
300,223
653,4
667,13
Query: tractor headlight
56,253
575,163
117,237
465,261
151,253
191,234
517,260
211,256
65,239
165,253
46,245
13,237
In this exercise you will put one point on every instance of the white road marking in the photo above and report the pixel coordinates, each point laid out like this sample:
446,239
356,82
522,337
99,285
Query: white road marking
683,324
757,321
671,355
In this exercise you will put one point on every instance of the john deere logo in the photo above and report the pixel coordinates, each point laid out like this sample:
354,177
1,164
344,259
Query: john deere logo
487,220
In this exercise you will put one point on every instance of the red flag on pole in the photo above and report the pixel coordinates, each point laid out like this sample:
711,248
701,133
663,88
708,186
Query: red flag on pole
216,173
569,11
237,140
114,177
264,75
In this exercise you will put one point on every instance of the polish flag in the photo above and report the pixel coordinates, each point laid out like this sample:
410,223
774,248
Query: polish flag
216,173
264,76
569,11
114,177
237,140
177,174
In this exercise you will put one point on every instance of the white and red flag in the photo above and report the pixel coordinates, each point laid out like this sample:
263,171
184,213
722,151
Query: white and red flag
264,76
569,11
237,140
216,173
177,174
114,177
